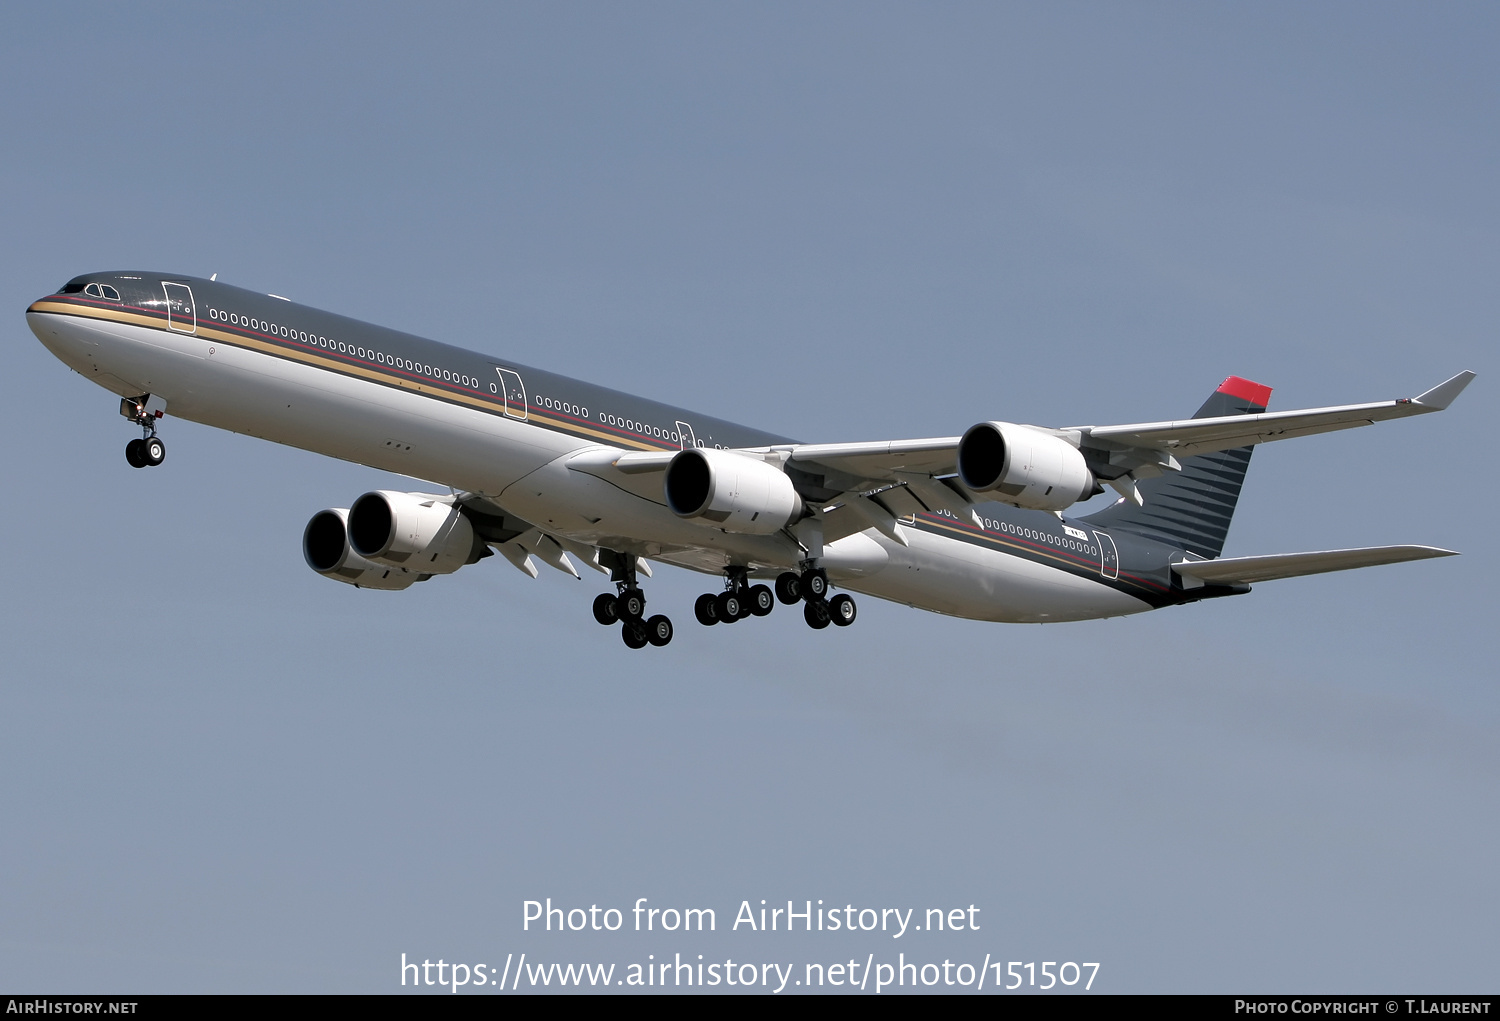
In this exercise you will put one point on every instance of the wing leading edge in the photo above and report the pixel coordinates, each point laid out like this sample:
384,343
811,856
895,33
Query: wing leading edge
877,483
1206,435
1110,450
867,466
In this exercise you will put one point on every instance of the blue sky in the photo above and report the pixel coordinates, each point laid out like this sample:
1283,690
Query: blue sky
219,772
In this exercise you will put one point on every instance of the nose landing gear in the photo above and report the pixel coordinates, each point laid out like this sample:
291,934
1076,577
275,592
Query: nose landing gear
148,451
145,453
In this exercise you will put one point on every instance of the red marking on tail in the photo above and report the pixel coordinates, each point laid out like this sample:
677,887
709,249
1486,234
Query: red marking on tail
1255,393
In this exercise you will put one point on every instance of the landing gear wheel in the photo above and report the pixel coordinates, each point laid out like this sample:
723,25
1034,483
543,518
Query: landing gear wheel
729,607
815,612
814,584
705,609
154,451
604,609
135,453
842,609
631,605
761,600
659,630
789,588
634,634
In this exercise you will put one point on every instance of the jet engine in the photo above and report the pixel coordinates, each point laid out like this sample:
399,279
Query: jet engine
1023,466
736,492
325,547
417,531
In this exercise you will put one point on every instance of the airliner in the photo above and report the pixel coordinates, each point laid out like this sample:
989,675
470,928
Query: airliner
546,470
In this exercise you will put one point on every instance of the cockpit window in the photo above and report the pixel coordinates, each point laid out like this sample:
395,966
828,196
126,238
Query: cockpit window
73,286
104,291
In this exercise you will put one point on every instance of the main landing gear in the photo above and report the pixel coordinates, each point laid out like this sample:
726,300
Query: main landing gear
811,586
628,608
148,451
739,600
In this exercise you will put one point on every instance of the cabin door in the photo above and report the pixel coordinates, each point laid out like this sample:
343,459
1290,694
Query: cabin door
181,315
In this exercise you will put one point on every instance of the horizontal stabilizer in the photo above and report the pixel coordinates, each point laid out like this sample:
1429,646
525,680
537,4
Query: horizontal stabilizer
1292,565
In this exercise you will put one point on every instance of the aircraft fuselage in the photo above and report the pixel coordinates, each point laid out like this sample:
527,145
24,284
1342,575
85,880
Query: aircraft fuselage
517,436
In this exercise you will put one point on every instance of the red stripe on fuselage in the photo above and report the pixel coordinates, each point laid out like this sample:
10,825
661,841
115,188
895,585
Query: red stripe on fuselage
537,415
1087,566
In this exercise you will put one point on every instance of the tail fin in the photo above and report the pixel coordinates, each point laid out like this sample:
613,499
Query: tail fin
1191,508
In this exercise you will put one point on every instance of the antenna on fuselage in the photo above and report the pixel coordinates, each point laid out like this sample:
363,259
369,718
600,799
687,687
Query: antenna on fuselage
213,278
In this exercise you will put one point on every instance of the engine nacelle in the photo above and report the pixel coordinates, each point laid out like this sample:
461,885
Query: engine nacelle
1023,466
419,532
735,492
325,547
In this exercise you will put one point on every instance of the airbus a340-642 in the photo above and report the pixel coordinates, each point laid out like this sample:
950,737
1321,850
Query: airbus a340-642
542,468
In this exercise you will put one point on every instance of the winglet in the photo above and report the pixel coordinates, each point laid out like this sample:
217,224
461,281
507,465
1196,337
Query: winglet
1440,396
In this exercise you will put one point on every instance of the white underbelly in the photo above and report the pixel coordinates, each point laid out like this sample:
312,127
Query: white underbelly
305,406
524,466
966,580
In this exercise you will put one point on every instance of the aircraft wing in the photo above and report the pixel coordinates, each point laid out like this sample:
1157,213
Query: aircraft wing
1295,565
841,468
884,459
876,483
882,481
1206,435
861,467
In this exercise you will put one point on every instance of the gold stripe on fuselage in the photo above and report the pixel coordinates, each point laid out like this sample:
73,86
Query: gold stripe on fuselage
206,331
1088,568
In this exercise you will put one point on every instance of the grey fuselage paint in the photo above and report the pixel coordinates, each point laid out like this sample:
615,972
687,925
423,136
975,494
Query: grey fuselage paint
221,313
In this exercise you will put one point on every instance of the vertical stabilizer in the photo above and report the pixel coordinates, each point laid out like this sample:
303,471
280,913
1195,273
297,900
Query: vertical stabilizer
1192,508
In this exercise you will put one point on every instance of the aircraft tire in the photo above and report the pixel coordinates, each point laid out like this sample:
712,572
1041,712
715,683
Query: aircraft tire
789,588
631,605
134,455
604,609
842,609
659,630
815,612
729,607
634,634
154,451
704,609
761,601
814,584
